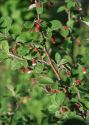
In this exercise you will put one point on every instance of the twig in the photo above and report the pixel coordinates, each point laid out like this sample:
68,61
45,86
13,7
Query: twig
46,52
69,14
78,94
14,56
42,61
49,59
51,64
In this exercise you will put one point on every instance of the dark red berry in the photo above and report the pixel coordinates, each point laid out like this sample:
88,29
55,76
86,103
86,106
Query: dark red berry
37,27
52,91
36,49
63,110
53,41
65,27
28,70
14,50
33,62
78,81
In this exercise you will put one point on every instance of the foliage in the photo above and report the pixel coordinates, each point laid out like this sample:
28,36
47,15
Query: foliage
44,62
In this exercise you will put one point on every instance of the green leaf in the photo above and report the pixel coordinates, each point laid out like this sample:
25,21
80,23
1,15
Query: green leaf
57,57
63,75
17,64
7,21
23,37
56,24
60,98
39,9
48,44
80,72
70,4
64,32
60,9
28,36
49,33
23,50
46,80
39,68
68,59
74,89
16,29
70,23
63,61
3,56
4,106
5,46
85,103
53,108
27,25
1,37
4,50
53,101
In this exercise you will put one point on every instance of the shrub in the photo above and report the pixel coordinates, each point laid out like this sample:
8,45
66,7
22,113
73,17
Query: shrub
44,62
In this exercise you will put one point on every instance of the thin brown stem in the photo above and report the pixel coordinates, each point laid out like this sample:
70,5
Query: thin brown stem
43,61
14,56
38,16
51,64
49,59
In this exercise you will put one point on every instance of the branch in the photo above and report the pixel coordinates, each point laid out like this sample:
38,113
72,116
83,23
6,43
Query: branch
51,64
49,59
42,61
78,94
14,56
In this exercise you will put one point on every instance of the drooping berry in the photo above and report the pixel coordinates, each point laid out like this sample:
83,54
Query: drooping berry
84,70
53,40
36,49
37,27
65,27
63,109
28,70
33,62
78,82
14,50
52,91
